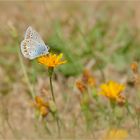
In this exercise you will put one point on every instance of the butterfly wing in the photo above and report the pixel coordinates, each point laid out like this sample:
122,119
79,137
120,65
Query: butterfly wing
32,34
32,49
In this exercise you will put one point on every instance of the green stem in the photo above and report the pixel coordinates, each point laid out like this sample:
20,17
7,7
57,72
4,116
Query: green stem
52,89
112,114
55,115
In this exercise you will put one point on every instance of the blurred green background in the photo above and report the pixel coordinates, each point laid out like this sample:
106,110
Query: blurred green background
103,32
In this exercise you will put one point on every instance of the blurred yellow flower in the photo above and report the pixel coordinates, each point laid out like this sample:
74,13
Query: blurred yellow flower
44,111
40,102
41,106
51,60
91,81
112,90
116,134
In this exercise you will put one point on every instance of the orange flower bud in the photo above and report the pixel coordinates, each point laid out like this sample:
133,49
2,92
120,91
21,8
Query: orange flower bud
134,67
80,85
88,78
44,111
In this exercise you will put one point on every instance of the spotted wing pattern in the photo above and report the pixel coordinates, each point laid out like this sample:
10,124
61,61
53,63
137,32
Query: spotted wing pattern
33,46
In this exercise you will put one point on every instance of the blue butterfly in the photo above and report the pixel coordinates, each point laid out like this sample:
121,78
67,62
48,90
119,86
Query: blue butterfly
33,46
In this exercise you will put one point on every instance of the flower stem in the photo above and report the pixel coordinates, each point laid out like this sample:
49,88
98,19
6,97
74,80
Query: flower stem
55,115
52,89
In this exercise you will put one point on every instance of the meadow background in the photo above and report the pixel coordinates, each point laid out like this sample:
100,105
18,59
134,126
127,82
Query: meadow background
102,36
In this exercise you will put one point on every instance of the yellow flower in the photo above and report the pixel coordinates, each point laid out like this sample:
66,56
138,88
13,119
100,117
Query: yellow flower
112,90
51,60
116,134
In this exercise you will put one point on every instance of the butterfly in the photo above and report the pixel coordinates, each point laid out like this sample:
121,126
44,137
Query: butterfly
33,46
